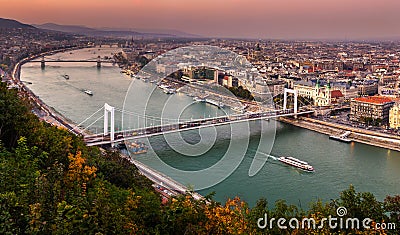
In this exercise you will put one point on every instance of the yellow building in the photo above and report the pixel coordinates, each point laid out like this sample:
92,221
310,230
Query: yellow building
394,116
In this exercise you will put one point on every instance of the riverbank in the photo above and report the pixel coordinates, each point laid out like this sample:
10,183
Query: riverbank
357,135
49,114
161,179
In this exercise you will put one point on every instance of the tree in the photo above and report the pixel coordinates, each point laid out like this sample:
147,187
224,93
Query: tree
391,205
228,219
241,92
258,211
13,113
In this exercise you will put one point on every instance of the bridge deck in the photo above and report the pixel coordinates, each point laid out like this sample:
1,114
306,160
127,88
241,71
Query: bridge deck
72,61
101,139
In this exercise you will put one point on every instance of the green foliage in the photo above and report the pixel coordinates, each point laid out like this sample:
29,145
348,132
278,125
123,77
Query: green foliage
119,171
12,220
371,121
40,194
241,92
13,113
142,60
391,205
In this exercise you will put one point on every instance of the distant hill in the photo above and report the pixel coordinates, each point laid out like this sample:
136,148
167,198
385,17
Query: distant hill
114,32
65,28
173,32
13,24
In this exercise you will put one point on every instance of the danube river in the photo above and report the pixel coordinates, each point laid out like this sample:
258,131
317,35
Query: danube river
337,164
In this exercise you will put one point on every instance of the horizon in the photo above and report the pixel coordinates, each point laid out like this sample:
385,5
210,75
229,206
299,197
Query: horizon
253,19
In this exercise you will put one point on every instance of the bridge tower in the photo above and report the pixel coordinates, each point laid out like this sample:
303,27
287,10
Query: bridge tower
294,92
98,62
109,109
42,63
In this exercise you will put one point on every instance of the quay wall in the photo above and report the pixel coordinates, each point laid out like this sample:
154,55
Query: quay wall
381,140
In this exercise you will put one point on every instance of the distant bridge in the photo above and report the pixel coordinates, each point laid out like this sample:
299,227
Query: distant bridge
98,61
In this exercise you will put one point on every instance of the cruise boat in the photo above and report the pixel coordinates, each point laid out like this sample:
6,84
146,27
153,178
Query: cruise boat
343,137
88,92
163,87
198,99
214,102
169,91
238,109
302,165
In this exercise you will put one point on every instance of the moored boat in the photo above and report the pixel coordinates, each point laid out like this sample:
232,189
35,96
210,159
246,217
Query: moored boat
216,103
169,91
343,137
238,109
138,148
88,92
198,99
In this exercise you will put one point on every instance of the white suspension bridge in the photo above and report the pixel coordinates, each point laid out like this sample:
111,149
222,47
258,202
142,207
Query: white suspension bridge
167,125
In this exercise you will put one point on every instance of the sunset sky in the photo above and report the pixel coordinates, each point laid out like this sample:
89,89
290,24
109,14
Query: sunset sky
284,19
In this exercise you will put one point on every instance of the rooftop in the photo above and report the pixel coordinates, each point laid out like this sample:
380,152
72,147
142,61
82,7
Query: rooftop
374,99
336,94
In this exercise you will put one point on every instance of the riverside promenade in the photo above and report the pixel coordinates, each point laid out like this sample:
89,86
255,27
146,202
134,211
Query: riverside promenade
359,135
161,179
47,113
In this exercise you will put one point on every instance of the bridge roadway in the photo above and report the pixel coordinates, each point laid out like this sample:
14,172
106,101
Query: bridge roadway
101,139
72,61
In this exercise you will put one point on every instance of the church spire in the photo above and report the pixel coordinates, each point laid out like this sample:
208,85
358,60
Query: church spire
329,84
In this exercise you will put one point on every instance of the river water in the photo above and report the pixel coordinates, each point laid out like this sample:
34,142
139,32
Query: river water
337,164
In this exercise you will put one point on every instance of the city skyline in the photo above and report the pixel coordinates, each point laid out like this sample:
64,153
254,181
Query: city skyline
285,19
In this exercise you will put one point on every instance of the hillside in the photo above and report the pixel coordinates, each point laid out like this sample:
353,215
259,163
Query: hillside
116,32
10,24
65,28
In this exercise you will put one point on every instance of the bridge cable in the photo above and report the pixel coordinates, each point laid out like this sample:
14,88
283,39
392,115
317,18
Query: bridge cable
90,116
92,123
